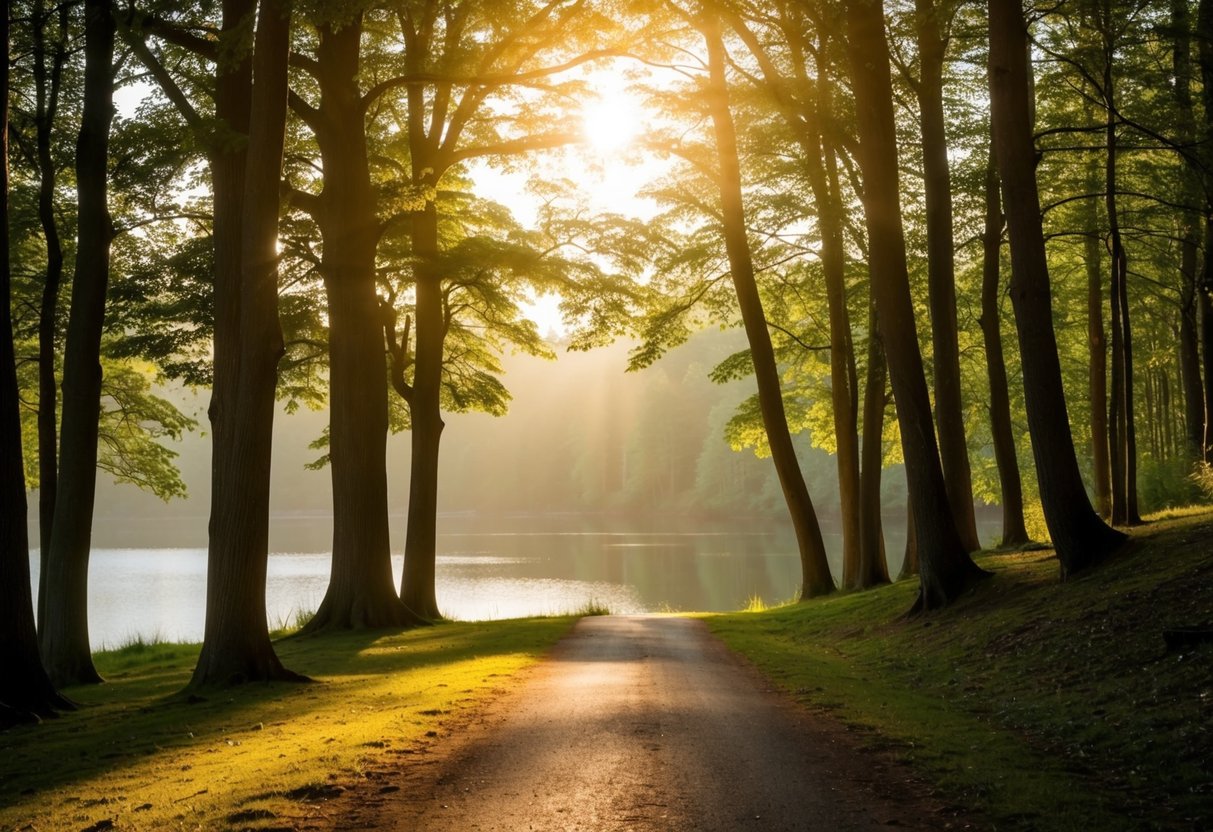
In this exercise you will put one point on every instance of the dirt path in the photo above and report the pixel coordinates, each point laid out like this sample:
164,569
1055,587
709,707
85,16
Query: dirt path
643,723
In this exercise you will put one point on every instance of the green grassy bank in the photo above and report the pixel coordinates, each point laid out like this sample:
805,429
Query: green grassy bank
138,755
1044,706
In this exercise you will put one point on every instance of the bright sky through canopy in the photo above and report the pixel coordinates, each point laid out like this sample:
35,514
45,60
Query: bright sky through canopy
608,168
612,119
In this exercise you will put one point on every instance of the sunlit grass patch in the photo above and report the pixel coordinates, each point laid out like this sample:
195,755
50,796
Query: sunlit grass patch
755,604
141,754
1045,705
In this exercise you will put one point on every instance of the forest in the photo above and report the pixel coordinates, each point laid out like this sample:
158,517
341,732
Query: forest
969,239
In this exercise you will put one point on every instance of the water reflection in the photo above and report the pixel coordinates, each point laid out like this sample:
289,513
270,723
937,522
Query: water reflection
487,568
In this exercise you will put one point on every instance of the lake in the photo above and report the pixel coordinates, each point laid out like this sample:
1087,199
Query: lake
488,568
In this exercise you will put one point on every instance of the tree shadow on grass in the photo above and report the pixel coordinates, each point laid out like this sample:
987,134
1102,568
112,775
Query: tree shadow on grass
143,715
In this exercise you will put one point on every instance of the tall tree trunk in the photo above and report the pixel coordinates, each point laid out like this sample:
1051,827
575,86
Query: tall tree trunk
48,83
815,568
360,591
1116,414
1204,306
941,273
1122,431
63,637
805,119
1204,300
1189,350
417,582
236,647
1005,457
844,395
1162,388
1081,539
1097,345
945,568
873,565
26,691
229,161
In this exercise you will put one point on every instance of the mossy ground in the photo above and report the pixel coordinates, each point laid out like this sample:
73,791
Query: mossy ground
1043,705
139,754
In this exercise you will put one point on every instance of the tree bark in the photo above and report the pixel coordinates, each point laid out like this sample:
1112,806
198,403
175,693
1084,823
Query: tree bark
1189,247
1122,431
941,273
420,548
47,83
26,692
360,591
873,565
806,118
945,568
815,568
1080,538
63,637
844,395
1204,301
1005,457
1097,346
236,646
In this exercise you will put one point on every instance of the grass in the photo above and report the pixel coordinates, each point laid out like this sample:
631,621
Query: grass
1042,705
591,607
142,756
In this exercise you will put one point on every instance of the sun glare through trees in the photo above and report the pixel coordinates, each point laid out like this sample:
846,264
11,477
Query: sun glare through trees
440,331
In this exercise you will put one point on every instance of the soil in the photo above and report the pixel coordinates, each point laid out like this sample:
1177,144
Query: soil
642,723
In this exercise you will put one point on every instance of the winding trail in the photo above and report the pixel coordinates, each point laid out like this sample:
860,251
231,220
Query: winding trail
646,723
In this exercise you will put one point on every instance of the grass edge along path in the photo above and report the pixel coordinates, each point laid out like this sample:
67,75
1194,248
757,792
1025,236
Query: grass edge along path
141,755
1045,706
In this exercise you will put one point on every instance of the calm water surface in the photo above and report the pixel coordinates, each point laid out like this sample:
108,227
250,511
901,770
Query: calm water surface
487,569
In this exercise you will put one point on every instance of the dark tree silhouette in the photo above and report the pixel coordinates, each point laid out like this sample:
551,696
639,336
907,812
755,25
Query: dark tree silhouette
815,569
63,634
248,345
1005,457
360,591
1081,539
26,692
931,26
945,568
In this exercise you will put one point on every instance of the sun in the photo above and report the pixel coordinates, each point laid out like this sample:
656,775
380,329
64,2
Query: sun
611,120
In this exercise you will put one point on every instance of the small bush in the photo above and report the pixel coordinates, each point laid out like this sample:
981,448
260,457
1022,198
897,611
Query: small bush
1164,483
1202,478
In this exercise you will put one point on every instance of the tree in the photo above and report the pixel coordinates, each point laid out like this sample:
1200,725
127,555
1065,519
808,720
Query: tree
48,89
360,592
248,345
1080,538
1013,531
815,569
462,60
806,107
63,635
945,568
931,26
1189,349
26,691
